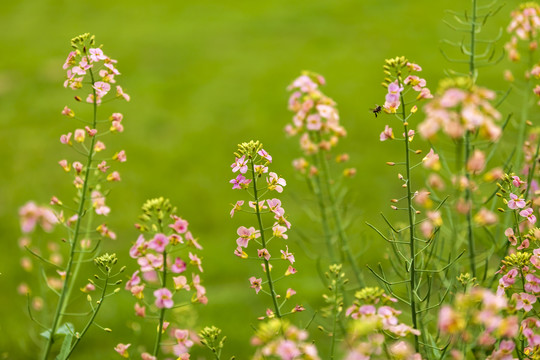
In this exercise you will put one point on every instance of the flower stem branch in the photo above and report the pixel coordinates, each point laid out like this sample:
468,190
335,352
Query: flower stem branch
263,240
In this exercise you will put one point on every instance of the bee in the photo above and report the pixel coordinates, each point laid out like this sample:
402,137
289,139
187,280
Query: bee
376,110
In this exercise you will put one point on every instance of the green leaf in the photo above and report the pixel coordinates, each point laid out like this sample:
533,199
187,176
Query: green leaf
66,347
66,328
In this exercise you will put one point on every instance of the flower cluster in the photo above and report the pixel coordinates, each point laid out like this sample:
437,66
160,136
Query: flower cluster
169,265
481,320
514,190
86,59
32,215
524,26
398,87
252,160
278,339
461,106
316,121
372,317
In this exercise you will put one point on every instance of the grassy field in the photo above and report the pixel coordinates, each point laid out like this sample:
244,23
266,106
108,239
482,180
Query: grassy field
203,76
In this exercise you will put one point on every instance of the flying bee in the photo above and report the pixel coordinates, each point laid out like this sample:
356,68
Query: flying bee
376,110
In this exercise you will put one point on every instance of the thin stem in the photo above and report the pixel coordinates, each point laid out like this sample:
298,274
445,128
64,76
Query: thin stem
263,241
336,314
344,240
162,311
524,114
322,209
472,68
468,201
96,310
532,170
412,285
66,292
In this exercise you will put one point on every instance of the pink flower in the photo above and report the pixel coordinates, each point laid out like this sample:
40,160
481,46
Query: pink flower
140,310
275,182
137,291
163,298
114,176
287,255
255,283
509,233
263,253
135,280
139,248
287,350
158,243
477,162
265,155
528,213
304,83
180,225
533,283
524,301
240,164
191,241
237,207
201,291
240,182
180,282
147,356
290,292
516,202
66,139
121,94
290,271
120,156
150,262
279,231
179,266
79,135
122,350
517,182
102,88
246,235
313,122
387,133
195,261
96,54
416,82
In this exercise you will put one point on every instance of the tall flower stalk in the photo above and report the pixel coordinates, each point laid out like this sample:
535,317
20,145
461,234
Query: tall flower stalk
86,65
414,245
252,163
316,122
166,252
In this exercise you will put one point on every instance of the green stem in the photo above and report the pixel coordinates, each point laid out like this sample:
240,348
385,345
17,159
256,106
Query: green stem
162,311
336,314
66,292
99,303
410,211
524,115
472,68
261,229
532,169
468,202
322,209
344,240
78,264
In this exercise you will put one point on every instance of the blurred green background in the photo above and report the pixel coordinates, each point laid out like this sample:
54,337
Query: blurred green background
203,76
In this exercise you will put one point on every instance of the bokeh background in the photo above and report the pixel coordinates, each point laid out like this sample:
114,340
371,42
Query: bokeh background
203,76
